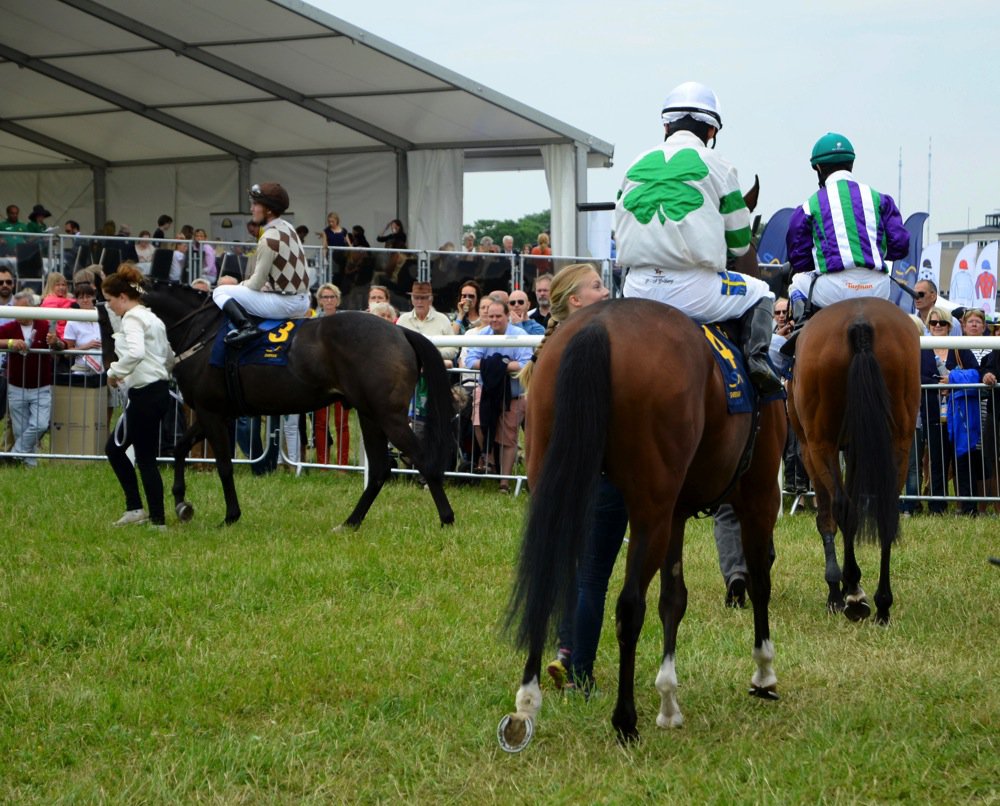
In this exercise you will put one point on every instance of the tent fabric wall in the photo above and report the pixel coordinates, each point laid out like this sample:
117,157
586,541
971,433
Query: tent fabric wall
360,188
435,208
560,176
138,195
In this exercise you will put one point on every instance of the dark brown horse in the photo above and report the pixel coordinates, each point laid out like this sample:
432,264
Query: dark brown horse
630,387
370,364
856,388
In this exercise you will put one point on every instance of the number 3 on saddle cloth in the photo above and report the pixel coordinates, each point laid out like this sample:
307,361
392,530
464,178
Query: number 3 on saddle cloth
270,348
740,394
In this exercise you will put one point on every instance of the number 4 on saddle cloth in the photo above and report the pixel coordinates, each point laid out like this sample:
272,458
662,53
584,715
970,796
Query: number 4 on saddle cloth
740,393
270,347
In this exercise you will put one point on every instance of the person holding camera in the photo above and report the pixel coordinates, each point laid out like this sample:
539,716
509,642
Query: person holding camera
467,308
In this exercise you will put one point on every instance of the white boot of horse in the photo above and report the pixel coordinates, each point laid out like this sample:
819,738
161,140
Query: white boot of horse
764,683
516,730
856,606
670,715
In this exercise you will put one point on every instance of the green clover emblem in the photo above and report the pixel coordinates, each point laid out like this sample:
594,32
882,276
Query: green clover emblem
663,190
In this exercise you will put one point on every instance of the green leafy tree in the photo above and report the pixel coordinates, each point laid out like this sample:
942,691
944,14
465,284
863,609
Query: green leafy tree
524,230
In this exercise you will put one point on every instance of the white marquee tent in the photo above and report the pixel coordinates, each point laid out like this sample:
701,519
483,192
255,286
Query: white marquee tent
132,108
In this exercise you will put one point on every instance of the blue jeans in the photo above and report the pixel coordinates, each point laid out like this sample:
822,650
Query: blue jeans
583,626
30,411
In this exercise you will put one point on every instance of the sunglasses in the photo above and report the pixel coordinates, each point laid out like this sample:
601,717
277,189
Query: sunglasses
938,323
781,312
921,294
6,282
517,302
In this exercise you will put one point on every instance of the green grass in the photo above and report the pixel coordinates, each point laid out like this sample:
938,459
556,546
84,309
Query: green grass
279,661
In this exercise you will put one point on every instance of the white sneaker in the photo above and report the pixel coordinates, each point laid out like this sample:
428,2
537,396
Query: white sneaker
131,517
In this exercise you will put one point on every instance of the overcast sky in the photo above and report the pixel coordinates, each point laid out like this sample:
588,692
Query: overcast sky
887,74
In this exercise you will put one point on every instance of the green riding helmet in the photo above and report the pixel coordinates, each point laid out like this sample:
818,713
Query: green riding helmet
832,147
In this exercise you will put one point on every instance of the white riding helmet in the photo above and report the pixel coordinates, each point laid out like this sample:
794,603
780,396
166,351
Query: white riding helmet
694,99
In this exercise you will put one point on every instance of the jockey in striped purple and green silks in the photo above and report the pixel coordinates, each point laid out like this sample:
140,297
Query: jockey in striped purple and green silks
840,239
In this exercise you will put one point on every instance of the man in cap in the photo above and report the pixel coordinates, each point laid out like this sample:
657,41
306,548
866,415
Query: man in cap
277,284
839,240
680,216
425,319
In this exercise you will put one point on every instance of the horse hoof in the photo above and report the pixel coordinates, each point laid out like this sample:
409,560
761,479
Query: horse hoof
184,511
627,736
514,733
857,610
764,692
834,607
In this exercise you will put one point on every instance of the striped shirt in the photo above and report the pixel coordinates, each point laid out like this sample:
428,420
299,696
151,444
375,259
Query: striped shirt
846,225
680,207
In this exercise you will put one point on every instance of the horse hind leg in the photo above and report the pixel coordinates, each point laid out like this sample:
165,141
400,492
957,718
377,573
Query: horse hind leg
883,595
404,439
856,606
516,730
672,606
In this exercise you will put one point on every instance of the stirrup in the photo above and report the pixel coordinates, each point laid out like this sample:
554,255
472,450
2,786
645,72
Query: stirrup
237,338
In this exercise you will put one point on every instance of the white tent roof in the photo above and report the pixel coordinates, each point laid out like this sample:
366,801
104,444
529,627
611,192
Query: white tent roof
133,82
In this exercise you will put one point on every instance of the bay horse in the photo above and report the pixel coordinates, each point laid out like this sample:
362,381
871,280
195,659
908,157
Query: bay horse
856,388
361,359
629,387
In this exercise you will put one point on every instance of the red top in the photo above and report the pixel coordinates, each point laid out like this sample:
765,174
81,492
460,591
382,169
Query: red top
33,370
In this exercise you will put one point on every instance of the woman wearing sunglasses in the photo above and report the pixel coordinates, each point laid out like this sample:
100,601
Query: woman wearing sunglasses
951,417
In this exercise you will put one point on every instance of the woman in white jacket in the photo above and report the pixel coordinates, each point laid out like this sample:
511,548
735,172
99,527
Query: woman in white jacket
143,368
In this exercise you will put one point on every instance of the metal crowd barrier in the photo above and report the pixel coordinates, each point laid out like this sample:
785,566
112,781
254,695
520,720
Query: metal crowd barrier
83,410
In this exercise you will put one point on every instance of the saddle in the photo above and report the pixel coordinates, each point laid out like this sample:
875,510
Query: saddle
270,348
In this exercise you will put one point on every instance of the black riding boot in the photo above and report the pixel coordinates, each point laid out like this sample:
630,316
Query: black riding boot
245,331
755,341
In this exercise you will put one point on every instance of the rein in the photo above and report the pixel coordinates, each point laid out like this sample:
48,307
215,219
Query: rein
198,342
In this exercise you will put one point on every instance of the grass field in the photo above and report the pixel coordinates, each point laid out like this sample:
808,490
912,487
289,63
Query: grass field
278,661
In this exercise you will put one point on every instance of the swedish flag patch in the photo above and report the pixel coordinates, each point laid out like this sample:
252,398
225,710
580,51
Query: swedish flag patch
733,284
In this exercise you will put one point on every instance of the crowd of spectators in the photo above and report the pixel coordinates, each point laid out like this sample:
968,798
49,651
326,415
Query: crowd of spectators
956,439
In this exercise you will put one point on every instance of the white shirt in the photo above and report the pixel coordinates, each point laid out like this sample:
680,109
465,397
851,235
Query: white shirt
144,354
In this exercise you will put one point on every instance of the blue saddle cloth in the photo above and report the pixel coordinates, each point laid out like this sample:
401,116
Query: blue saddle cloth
270,348
740,394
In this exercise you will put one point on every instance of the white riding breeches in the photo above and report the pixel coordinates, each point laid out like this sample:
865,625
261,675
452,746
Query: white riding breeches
703,294
266,304
837,286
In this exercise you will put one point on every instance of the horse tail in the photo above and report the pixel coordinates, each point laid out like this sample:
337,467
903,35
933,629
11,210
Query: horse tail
868,505
561,512
437,441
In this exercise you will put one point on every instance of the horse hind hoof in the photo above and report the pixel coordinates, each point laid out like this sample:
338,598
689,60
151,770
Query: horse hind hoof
514,733
764,692
858,610
185,512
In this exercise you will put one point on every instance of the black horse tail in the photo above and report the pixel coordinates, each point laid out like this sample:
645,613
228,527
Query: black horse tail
561,512
868,507
437,439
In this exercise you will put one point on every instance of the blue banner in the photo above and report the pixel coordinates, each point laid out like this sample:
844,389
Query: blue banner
772,248
905,270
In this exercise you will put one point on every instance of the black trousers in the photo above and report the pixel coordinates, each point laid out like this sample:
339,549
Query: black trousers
146,409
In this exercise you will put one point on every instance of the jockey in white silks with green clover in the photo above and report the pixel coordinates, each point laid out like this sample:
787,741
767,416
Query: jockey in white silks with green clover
679,216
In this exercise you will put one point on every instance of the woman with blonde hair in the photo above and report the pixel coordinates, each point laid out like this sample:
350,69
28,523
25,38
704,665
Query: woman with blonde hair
328,296
574,287
56,295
